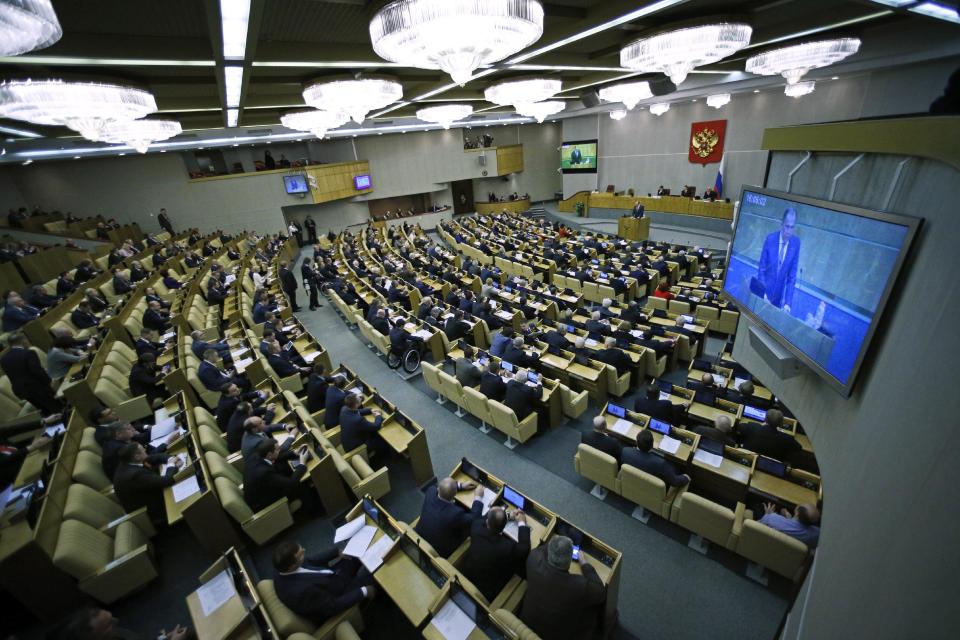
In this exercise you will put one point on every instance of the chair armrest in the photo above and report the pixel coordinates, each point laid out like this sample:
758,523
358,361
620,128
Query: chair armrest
269,521
377,485
738,516
139,517
210,334
512,585
359,451
135,408
121,576
459,553
528,427
292,383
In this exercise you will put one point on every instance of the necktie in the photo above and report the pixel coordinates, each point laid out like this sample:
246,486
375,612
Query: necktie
783,254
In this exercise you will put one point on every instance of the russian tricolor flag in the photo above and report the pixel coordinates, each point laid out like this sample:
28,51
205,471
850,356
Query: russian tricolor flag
718,183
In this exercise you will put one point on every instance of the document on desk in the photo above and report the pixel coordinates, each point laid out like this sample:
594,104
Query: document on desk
621,426
216,592
163,428
707,458
348,530
590,342
180,456
636,333
717,379
160,415
229,279
360,541
234,355
156,442
506,315
373,557
690,327
357,390
487,500
169,335
54,430
310,357
738,381
409,326
452,622
423,334
664,395
670,445
185,488
240,365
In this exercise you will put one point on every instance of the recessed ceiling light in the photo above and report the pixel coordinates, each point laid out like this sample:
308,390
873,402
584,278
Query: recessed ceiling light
26,162
379,133
835,78
694,100
121,154
76,157
268,142
756,90
236,145
163,150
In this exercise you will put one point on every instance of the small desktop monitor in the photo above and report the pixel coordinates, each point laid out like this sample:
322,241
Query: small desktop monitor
514,498
754,413
711,446
464,602
506,366
659,426
362,182
296,184
532,376
771,466
616,410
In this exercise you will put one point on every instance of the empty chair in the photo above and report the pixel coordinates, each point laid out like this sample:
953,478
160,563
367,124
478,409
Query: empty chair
261,526
477,405
93,508
573,403
432,378
707,520
505,421
599,467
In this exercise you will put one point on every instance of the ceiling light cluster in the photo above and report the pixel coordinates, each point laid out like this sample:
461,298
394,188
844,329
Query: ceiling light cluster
678,52
659,108
795,61
139,134
718,100
27,25
618,114
799,89
529,97
445,114
455,36
629,93
317,122
541,110
355,98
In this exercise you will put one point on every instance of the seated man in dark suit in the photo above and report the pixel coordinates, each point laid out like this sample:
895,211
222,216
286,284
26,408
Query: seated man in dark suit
82,317
456,327
231,397
120,284
766,439
137,484
491,384
156,318
148,342
443,523
520,396
515,354
706,391
213,377
614,356
466,372
601,439
200,345
596,324
336,394
356,430
265,481
721,431
146,379
744,395
556,337
120,436
321,586
644,459
317,385
280,362
493,557
380,322
38,298
651,405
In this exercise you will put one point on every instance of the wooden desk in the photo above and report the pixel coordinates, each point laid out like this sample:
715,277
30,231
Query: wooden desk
782,489
410,588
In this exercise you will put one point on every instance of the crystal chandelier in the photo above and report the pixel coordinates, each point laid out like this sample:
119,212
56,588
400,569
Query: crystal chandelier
26,25
540,110
456,36
659,108
618,114
676,53
799,89
445,114
83,106
316,122
139,134
794,62
355,98
717,100
629,93
522,92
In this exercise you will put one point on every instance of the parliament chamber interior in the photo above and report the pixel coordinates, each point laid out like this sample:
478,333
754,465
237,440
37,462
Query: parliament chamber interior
508,319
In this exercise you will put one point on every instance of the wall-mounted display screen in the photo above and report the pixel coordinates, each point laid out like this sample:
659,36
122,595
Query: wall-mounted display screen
816,274
296,184
362,182
579,156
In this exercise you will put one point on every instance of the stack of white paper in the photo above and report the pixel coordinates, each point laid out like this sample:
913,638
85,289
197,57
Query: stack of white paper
168,335
707,458
53,430
347,531
690,327
409,326
360,541
423,334
664,395
738,381
216,592
182,457
506,315
487,499
621,426
373,557
156,442
163,428
240,365
590,342
668,444
229,279
357,390
185,488
717,379
452,622
310,357
236,354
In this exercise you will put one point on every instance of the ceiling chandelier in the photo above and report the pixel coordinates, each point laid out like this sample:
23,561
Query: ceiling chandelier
678,52
659,108
83,106
316,122
717,100
445,114
794,62
355,98
799,89
455,36
540,110
522,92
139,134
629,93
618,114
26,25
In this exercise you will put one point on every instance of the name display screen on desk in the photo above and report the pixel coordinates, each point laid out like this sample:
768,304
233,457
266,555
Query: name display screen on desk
816,275
578,156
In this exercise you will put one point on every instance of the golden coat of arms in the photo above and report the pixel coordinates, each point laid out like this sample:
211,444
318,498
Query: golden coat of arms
704,142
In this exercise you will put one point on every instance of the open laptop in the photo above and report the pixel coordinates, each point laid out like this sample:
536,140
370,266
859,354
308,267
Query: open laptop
771,466
754,413
513,498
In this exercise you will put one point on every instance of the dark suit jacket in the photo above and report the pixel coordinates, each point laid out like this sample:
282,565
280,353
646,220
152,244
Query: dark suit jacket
518,357
445,524
493,558
155,320
24,371
659,409
620,361
317,392
602,442
714,434
355,430
560,605
493,386
137,486
653,464
554,339
145,346
334,402
83,319
456,329
145,382
779,280
282,365
319,596
288,281
212,377
264,483
767,441
522,398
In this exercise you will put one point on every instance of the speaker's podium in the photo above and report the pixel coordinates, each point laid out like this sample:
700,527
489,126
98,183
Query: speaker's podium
630,228
811,341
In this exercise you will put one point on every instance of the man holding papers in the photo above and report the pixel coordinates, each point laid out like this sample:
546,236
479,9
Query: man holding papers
138,484
642,458
321,586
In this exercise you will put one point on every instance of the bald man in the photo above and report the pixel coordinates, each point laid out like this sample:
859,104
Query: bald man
444,523
803,524
721,431
601,439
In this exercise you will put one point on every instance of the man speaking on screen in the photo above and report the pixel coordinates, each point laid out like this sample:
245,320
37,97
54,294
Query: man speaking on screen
778,263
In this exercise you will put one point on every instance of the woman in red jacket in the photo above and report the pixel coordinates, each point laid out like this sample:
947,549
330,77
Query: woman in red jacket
663,291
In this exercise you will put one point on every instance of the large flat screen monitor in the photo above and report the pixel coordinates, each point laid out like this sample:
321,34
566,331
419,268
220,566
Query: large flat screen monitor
816,275
296,184
579,156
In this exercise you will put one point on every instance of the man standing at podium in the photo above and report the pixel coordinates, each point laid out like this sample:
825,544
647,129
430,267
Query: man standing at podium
778,263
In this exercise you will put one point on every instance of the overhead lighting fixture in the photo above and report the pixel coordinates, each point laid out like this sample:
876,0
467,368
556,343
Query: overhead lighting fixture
678,52
717,100
938,11
795,61
233,116
79,61
83,106
20,132
756,90
522,92
540,110
27,25
618,114
315,121
835,78
659,108
356,98
26,162
455,36
234,18
896,3
445,114
233,82
629,93
140,134
799,89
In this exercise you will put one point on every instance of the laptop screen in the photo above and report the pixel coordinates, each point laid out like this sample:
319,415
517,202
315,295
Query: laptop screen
506,366
665,386
571,328
711,446
514,498
532,377
615,410
659,426
771,466
754,413
688,319
508,289
466,604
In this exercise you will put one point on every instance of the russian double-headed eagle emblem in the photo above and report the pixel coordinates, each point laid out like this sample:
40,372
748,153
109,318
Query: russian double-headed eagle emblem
704,142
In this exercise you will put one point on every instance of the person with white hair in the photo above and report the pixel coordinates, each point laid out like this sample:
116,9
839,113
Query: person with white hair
596,324
601,439
721,431
520,396
605,308
614,356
